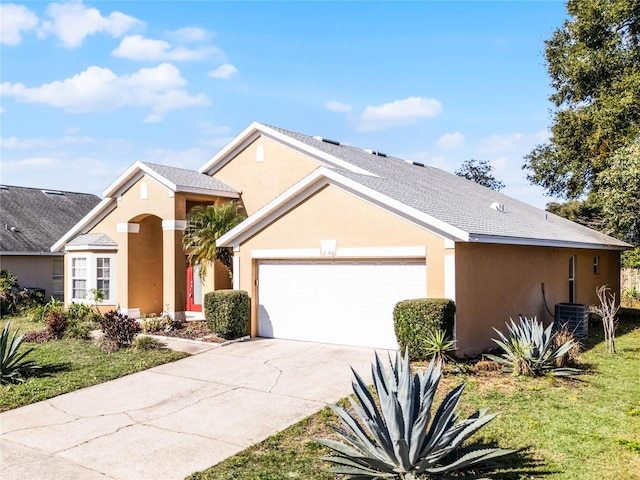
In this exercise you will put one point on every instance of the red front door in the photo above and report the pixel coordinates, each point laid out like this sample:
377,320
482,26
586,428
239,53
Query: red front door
194,290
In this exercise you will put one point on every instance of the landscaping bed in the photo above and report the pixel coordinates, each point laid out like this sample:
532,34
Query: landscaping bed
190,330
587,427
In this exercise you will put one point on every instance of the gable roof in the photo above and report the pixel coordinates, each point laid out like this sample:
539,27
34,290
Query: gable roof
33,219
174,179
453,204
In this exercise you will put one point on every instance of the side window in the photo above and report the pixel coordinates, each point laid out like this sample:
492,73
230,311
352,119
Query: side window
572,279
58,279
596,265
103,275
78,277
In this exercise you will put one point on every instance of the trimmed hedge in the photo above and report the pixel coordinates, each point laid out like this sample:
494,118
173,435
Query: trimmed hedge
227,313
414,319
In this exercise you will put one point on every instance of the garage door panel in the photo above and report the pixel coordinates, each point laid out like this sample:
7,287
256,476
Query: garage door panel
336,302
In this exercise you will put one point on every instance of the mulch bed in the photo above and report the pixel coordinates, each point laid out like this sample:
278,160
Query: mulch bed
191,330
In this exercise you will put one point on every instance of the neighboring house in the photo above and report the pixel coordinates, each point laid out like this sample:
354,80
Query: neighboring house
32,220
335,236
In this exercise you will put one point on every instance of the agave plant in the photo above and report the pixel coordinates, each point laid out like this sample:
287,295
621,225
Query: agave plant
531,349
437,343
13,367
400,439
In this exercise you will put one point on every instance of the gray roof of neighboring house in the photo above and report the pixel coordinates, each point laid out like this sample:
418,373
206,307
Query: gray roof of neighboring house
32,220
182,177
94,240
455,200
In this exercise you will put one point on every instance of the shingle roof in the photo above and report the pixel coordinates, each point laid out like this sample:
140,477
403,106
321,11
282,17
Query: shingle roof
455,200
182,177
39,218
94,240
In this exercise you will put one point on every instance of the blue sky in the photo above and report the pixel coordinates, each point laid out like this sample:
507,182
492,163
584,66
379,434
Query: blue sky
87,88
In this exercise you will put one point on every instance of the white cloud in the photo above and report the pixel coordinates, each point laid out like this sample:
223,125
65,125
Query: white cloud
15,143
188,34
136,47
2,109
338,107
450,141
14,19
72,22
504,143
397,113
224,71
99,89
28,163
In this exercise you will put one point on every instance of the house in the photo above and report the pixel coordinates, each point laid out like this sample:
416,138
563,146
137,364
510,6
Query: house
31,221
335,236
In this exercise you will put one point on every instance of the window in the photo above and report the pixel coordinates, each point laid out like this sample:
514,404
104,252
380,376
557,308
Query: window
89,271
103,275
596,265
78,277
58,279
572,278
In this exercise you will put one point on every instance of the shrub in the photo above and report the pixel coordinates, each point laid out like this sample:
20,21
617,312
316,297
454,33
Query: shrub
38,336
13,366
531,349
118,328
153,323
415,320
393,439
39,312
227,313
56,321
80,311
147,343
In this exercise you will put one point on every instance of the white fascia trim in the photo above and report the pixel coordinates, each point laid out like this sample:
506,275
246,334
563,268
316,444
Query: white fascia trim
315,181
286,253
236,272
131,175
91,248
251,133
536,242
382,252
179,225
125,227
106,206
359,252
31,254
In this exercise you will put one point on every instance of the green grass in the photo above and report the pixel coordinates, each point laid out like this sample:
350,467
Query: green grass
586,428
74,364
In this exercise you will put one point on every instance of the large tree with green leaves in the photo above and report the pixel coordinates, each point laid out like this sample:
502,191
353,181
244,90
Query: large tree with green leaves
205,225
594,64
481,172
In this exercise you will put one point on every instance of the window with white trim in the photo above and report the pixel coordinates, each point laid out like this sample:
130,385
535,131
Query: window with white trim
78,277
92,270
103,275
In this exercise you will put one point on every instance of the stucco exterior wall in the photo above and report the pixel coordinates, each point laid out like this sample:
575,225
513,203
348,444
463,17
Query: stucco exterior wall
34,271
261,182
332,214
496,282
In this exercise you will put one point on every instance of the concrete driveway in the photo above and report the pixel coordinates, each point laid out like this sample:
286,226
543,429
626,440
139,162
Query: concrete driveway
175,419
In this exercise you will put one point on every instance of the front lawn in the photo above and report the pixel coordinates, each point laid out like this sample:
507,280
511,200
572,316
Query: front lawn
73,364
586,428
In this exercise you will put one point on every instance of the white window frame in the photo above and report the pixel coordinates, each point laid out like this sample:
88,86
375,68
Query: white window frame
92,273
74,276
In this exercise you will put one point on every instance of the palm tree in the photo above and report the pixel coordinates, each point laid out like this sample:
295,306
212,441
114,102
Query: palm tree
205,224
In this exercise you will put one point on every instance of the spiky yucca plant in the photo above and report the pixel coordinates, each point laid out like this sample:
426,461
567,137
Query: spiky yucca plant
13,367
400,439
531,349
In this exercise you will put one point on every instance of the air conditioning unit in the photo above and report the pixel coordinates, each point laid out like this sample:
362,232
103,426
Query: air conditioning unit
575,316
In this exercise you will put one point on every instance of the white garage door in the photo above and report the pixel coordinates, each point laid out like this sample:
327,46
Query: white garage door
348,303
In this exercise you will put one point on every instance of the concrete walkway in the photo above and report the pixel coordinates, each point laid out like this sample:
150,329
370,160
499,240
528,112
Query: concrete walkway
178,418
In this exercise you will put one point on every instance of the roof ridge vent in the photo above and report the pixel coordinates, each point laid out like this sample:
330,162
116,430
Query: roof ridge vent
374,152
4,187
498,207
418,164
327,140
53,192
